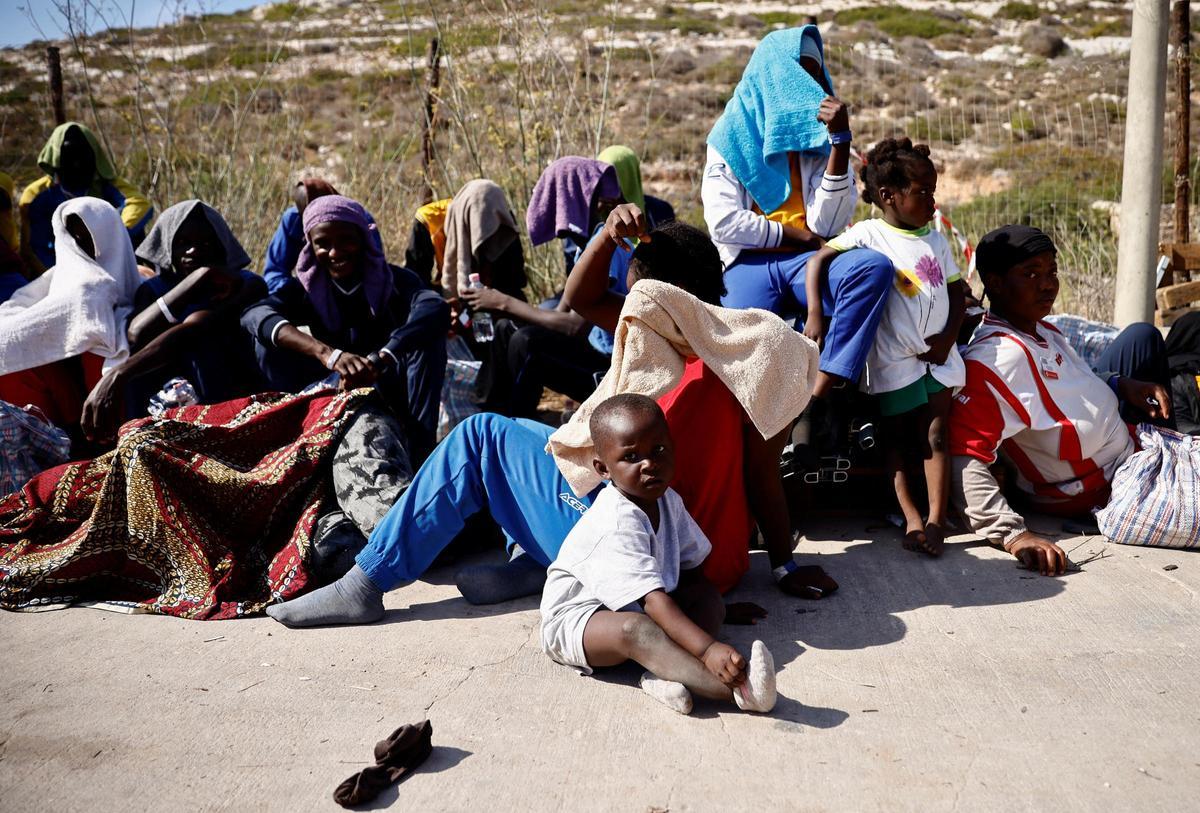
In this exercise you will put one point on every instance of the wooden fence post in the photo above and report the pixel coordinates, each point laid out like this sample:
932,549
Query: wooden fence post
1183,117
56,85
433,75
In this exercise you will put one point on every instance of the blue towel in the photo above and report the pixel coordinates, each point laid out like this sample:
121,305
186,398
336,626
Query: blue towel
773,111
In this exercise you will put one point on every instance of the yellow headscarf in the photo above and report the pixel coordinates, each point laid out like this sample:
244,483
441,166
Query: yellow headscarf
8,220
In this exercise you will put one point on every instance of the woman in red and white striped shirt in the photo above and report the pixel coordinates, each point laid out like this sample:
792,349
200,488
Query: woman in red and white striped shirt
1032,401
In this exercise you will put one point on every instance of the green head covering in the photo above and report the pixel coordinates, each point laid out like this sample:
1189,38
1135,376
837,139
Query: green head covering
48,158
629,173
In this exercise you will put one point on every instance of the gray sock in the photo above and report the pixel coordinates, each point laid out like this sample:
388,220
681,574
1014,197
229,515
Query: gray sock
352,599
492,584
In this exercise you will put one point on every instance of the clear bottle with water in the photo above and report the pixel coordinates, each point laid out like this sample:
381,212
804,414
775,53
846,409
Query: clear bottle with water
481,320
177,392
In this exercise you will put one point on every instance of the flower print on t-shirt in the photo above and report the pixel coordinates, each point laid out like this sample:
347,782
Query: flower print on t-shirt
907,282
929,270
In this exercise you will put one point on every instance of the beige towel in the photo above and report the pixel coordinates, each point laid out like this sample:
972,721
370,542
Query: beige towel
479,227
768,366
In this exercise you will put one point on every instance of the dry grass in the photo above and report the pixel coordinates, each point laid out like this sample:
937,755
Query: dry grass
231,108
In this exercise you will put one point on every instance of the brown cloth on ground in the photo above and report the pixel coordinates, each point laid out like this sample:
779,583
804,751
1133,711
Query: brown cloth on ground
395,758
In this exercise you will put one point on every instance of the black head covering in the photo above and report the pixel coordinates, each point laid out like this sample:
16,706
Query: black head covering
1002,248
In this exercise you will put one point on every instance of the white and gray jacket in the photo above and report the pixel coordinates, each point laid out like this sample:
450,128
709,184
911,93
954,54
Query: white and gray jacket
733,224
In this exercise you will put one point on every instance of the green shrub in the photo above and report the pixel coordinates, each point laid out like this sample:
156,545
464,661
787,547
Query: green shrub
1026,127
239,55
1019,11
1113,27
772,18
283,12
944,128
896,21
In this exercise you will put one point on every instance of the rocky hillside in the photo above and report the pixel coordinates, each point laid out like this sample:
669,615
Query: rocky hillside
1022,102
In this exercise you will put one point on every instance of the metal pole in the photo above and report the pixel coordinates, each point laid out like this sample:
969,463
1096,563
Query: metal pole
434,77
1141,180
1183,117
56,85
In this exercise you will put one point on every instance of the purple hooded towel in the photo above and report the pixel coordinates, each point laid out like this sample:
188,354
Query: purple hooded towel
562,198
376,276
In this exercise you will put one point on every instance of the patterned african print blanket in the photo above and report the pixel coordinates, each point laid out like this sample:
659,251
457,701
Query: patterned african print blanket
207,513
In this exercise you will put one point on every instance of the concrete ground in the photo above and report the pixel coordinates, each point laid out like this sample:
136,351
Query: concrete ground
965,683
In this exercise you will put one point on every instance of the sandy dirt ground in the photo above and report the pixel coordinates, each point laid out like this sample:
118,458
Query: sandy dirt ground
965,683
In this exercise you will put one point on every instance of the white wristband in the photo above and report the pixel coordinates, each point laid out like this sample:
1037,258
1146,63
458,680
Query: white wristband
781,572
333,357
162,306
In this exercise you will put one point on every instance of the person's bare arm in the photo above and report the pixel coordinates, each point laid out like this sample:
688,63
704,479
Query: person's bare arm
587,292
102,409
562,321
768,505
720,659
294,340
800,239
836,116
151,321
355,370
818,263
104,404
976,495
941,343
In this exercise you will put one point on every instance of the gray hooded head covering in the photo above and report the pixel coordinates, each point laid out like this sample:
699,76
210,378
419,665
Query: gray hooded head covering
155,250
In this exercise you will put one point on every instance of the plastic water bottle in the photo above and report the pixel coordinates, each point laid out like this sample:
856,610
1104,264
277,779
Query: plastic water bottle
481,321
178,392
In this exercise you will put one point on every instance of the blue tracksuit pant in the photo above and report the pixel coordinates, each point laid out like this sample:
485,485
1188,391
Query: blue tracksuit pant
853,293
487,461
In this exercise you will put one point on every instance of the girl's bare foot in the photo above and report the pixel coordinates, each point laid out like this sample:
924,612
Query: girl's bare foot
914,536
935,539
927,538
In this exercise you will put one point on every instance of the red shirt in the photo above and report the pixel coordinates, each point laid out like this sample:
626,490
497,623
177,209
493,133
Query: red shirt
707,424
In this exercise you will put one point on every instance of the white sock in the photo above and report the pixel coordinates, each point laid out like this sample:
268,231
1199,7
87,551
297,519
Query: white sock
674,696
758,692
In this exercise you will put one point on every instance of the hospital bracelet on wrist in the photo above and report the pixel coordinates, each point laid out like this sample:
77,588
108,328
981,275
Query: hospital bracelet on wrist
333,357
841,137
780,573
162,306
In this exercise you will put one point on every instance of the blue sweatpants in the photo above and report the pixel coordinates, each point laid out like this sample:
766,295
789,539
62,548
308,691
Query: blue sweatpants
487,461
1139,351
853,293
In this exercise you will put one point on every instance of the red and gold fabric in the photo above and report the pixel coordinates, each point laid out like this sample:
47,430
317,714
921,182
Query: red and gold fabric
206,514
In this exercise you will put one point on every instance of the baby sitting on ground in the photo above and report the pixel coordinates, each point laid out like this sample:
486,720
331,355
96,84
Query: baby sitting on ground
627,583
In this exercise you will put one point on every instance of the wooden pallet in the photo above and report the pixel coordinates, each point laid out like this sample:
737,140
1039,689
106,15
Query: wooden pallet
1178,294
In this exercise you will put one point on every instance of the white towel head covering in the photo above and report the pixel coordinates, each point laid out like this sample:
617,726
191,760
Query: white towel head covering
81,305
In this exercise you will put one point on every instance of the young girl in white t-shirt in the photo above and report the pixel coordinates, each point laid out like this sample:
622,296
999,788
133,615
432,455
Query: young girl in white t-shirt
914,366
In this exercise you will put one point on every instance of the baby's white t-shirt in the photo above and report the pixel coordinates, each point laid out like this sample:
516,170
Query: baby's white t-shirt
613,556
919,305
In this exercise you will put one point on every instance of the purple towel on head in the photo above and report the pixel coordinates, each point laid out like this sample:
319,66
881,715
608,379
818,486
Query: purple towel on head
376,276
562,198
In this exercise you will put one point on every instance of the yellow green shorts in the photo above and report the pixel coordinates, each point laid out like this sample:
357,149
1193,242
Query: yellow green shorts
906,399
